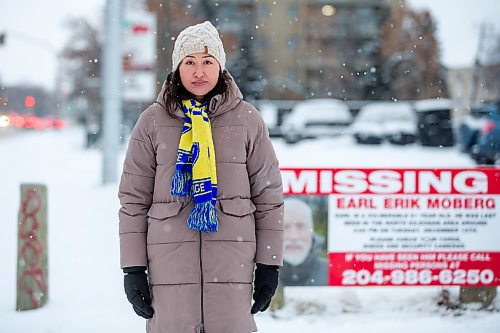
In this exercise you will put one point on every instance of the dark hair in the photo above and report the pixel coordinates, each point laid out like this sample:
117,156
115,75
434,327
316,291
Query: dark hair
175,91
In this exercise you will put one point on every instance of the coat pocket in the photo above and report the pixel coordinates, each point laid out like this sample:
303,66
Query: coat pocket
237,206
236,221
164,210
168,223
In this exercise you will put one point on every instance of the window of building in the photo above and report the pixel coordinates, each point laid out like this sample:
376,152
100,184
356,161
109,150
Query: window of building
262,42
292,42
264,10
292,74
366,20
293,11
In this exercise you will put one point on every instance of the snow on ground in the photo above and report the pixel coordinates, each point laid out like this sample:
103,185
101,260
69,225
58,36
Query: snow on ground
85,282
343,152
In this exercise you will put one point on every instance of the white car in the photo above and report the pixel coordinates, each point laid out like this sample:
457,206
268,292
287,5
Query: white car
270,114
316,118
392,121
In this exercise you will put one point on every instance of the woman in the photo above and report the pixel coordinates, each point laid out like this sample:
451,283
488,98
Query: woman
201,200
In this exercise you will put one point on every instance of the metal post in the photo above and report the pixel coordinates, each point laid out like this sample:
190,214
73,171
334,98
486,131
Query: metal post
32,254
111,90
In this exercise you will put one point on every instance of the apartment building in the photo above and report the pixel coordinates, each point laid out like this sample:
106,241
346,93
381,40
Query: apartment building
307,48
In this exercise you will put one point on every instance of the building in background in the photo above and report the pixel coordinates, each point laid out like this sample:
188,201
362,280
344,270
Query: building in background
489,84
472,86
460,87
304,48
322,48
299,49
235,20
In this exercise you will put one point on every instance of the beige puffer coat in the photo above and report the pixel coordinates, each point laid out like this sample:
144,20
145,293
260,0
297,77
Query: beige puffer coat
201,279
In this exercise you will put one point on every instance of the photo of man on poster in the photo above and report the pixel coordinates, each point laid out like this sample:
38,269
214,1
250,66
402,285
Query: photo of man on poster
304,264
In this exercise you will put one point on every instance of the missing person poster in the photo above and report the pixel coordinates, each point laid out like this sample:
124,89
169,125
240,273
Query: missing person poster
407,227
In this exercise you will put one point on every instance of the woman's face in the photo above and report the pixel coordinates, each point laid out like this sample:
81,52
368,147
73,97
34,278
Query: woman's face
199,74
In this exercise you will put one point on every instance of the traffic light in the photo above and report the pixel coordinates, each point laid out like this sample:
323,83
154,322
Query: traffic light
29,102
2,38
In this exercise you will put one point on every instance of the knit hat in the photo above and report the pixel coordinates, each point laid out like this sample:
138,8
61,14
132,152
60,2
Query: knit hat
202,37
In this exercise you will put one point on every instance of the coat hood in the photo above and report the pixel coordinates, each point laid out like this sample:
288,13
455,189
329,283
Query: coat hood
216,106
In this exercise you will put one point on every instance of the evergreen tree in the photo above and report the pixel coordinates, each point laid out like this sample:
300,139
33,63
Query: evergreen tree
247,69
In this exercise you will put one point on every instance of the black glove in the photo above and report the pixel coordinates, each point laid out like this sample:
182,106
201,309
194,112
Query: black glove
265,284
137,290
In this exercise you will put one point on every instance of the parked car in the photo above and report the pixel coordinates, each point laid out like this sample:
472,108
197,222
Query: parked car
379,121
434,122
470,126
487,149
270,113
315,118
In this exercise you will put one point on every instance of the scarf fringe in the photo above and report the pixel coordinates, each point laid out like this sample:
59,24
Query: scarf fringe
203,217
181,183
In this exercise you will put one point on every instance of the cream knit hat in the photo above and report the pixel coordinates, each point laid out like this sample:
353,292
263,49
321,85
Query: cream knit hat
202,37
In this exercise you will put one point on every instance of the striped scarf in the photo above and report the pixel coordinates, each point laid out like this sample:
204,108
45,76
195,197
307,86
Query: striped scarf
195,173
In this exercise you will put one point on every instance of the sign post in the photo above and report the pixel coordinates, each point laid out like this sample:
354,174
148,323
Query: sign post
32,269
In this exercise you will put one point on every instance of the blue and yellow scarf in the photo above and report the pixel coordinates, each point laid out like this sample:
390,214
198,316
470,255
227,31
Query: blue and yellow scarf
195,173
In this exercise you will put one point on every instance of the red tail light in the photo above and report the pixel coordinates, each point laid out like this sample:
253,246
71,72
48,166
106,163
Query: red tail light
490,126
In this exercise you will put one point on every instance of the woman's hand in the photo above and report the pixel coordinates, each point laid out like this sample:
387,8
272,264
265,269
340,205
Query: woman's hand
137,290
265,284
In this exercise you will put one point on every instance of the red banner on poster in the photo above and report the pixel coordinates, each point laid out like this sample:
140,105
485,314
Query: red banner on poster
307,181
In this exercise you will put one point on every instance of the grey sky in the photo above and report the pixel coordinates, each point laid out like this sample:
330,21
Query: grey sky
37,32
458,24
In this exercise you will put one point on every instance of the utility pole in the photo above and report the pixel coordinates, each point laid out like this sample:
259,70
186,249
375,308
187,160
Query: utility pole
111,90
